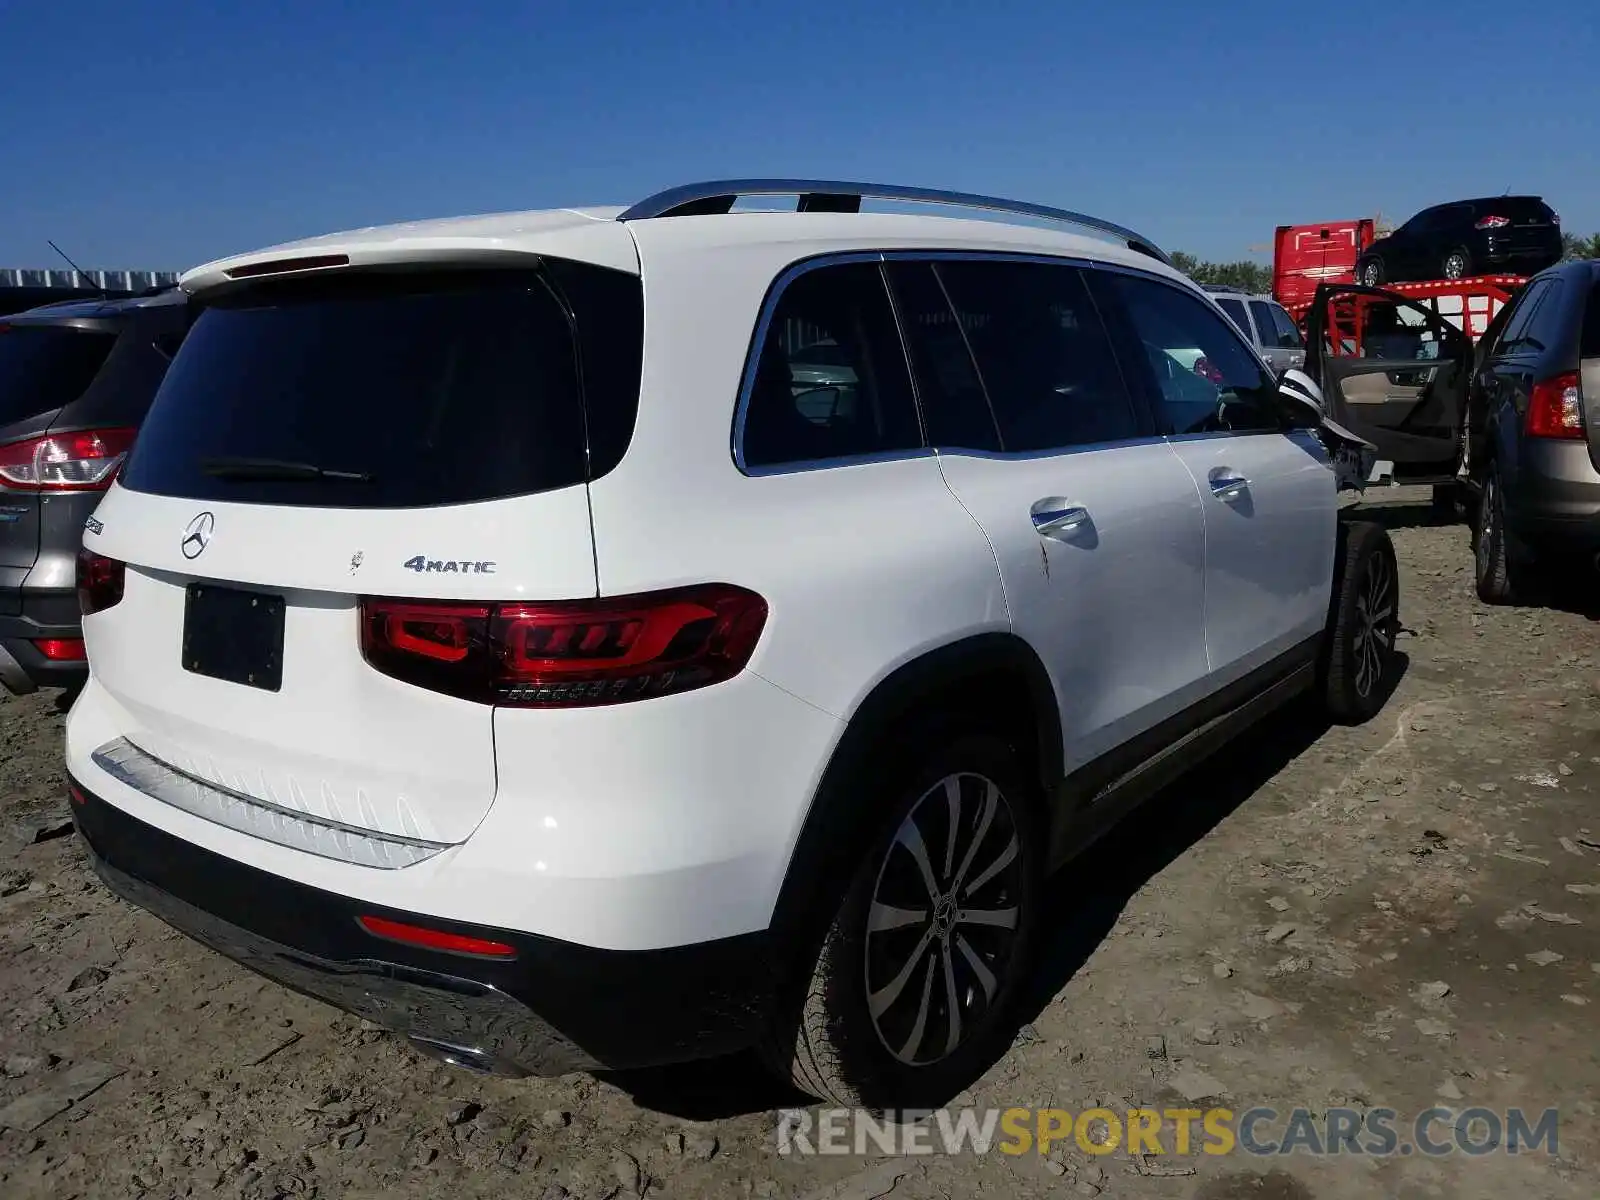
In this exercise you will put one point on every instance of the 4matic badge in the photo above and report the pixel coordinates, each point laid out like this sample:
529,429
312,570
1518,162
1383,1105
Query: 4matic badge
422,563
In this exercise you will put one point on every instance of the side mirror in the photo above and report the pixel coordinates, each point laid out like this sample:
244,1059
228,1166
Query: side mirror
1304,397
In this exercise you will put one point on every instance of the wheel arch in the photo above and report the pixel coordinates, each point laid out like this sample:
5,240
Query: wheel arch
993,680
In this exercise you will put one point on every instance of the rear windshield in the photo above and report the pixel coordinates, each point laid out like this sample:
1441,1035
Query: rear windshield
1524,210
398,390
43,368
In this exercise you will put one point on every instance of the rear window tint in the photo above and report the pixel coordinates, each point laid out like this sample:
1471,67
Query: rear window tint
43,368
1235,311
416,389
830,380
1521,210
1589,347
1288,331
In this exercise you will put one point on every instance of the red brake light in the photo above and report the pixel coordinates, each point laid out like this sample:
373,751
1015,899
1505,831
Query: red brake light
61,649
100,582
1555,410
1492,222
566,653
61,462
434,939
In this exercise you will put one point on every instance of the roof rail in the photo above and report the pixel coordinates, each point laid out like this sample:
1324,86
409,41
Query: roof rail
817,195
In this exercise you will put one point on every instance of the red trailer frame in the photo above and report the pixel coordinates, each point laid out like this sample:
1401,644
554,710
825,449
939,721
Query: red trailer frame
1468,304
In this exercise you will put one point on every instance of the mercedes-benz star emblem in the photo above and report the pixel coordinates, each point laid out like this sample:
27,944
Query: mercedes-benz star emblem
197,536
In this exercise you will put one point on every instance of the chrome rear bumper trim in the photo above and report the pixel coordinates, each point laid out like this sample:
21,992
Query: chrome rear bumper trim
145,773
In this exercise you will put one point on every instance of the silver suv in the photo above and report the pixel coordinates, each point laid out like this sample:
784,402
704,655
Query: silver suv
1266,323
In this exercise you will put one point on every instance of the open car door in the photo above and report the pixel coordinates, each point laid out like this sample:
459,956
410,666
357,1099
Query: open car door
1392,372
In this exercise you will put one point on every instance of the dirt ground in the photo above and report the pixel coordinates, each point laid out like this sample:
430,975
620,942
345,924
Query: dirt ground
1399,915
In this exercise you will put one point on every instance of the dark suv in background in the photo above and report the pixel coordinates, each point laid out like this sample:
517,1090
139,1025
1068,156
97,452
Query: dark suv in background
1533,420
76,379
1512,235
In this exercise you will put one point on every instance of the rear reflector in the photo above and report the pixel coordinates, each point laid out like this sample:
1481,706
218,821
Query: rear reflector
100,582
1555,409
570,653
65,462
77,796
60,649
434,939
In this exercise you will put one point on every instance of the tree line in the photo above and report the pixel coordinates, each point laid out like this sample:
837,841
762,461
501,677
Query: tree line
1256,278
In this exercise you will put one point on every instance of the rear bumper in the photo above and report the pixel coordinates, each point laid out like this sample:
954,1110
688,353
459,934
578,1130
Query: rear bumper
38,616
554,1007
1553,501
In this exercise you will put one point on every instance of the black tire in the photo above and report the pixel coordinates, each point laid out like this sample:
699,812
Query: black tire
1502,568
1359,657
1457,264
1371,272
828,1041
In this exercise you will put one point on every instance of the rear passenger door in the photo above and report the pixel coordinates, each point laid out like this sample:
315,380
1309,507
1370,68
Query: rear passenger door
1095,525
1268,494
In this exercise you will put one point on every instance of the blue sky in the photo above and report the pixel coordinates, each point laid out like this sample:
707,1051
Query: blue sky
161,134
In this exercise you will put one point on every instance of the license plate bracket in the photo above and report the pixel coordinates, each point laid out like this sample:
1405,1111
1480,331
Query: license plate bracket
233,635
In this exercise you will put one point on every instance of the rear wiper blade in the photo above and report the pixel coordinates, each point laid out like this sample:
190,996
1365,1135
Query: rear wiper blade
278,469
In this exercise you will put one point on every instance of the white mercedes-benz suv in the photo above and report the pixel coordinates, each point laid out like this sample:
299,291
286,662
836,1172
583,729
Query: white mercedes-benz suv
601,638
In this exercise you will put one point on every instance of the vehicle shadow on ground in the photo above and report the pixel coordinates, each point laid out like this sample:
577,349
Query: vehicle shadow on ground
1081,905
1085,898
1409,516
1580,598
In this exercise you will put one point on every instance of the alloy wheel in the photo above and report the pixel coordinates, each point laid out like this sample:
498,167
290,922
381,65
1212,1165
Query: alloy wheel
1455,266
944,919
1488,529
1377,623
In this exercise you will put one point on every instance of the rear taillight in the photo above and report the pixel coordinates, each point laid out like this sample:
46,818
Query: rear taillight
1492,222
1555,410
566,654
100,581
62,462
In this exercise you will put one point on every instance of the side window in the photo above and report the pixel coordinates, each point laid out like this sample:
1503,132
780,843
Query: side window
830,379
1421,223
1513,340
1396,330
1042,354
955,407
1235,311
1266,329
1206,378
1288,331
1544,327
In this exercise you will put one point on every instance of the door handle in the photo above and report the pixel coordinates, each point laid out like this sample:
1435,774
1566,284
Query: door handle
1227,484
1054,517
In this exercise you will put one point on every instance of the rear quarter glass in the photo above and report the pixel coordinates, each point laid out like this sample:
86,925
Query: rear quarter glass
1589,344
433,388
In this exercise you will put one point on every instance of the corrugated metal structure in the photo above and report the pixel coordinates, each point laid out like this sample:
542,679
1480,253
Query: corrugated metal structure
22,288
66,280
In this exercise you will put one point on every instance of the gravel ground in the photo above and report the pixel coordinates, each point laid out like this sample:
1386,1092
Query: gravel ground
1400,915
